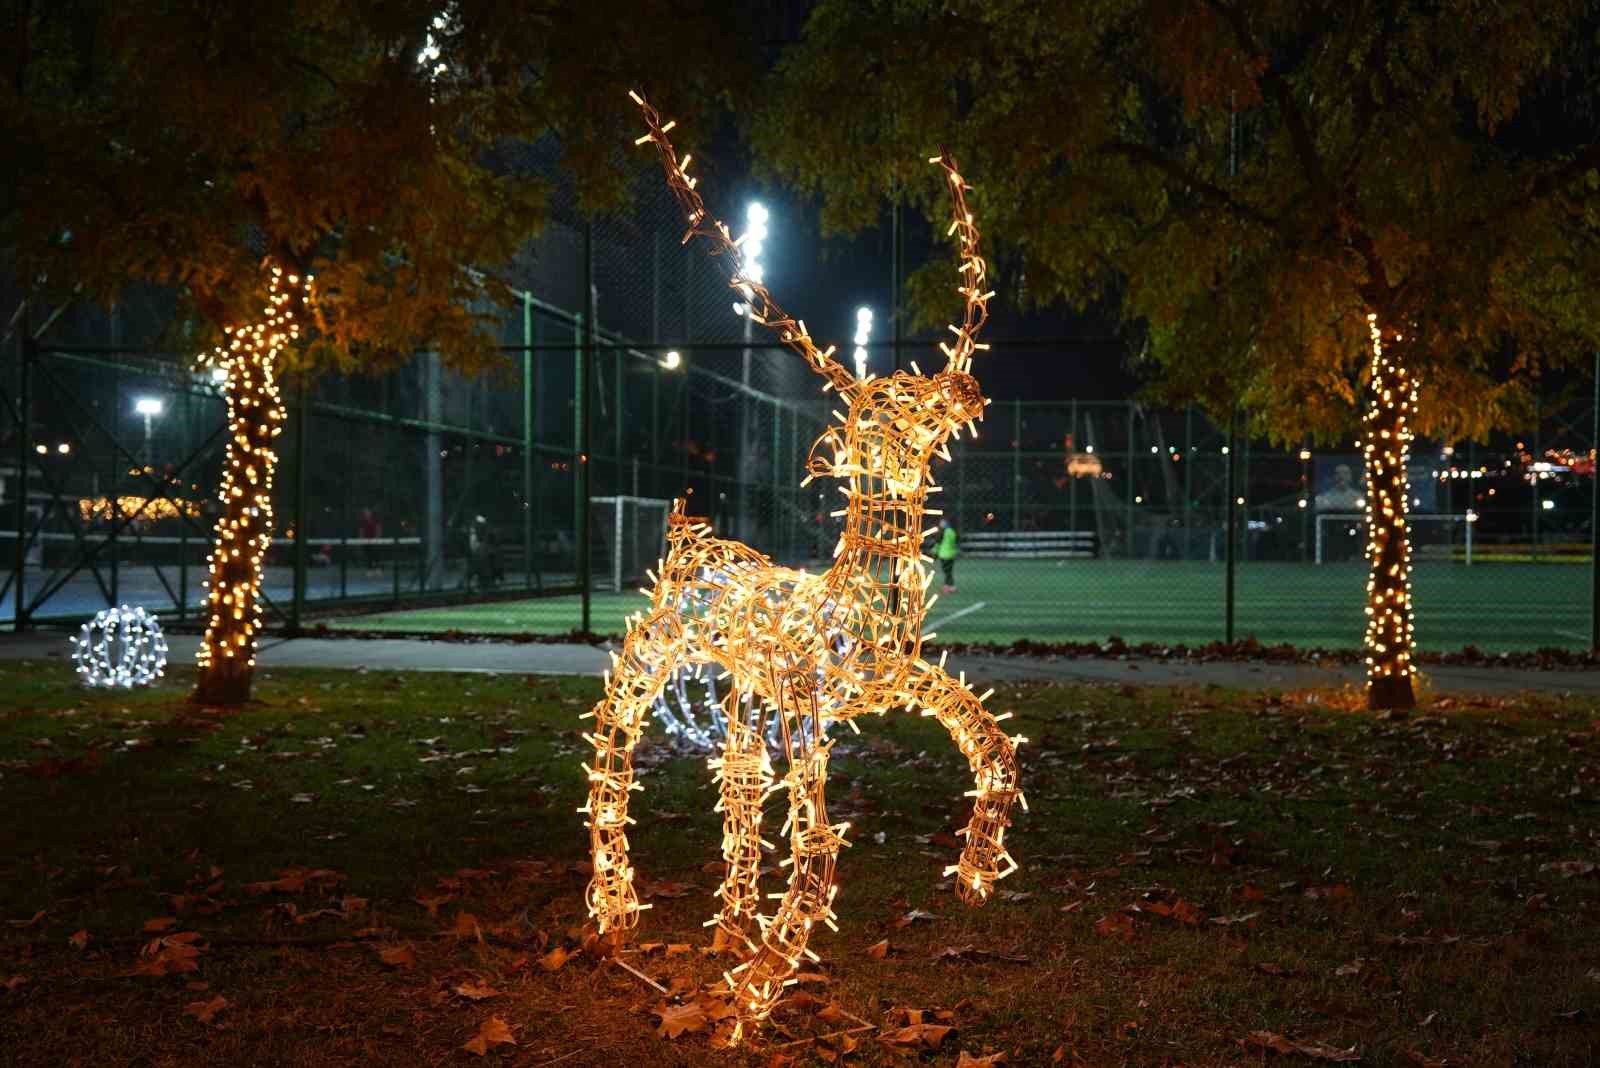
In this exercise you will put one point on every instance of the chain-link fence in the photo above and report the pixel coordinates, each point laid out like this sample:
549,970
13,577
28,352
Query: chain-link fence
423,499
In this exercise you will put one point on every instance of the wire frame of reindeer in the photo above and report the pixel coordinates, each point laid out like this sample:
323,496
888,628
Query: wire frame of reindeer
800,649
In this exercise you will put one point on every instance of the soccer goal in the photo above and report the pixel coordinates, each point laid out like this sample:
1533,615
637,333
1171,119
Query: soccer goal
629,535
1343,536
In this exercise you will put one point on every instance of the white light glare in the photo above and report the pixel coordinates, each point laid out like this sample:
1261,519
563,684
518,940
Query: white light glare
1548,505
673,360
863,335
149,406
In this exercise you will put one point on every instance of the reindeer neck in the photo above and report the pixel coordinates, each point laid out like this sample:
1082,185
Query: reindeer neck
882,532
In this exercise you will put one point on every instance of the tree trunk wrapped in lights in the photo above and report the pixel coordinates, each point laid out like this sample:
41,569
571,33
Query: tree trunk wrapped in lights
806,649
1386,448
243,531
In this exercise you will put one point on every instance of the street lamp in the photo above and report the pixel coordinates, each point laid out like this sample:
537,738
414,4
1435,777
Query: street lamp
149,407
672,360
863,335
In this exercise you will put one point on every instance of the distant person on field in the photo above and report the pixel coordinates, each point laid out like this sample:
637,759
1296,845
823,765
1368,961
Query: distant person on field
947,553
369,529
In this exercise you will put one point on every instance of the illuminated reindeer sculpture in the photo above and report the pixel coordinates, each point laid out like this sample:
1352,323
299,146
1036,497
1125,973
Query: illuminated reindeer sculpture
805,648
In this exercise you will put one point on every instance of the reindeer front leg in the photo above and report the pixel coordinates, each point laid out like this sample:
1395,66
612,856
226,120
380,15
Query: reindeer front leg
992,756
652,651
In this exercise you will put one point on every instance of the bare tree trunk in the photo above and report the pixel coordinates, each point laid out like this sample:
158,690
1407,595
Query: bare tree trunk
1386,447
244,529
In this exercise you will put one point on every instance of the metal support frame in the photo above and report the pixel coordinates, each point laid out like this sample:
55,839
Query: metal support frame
1232,532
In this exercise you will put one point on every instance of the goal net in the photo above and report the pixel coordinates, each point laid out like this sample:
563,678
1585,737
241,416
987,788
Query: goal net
1342,536
628,536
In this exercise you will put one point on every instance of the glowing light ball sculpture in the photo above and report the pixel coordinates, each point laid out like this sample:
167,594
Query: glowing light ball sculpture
805,648
120,646
1387,445
244,529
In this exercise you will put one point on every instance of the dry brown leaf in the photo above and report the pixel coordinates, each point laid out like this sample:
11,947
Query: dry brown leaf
398,957
80,938
477,991
160,924
878,950
432,903
1277,1043
912,917
968,1060
14,982
679,1020
492,1032
553,960
206,1011
1115,925
667,889
467,926
173,955
29,922
917,1036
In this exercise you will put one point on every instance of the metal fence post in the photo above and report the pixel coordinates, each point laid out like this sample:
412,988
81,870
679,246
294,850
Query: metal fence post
1233,525
24,446
1128,491
1016,463
582,389
527,441
302,417
1594,516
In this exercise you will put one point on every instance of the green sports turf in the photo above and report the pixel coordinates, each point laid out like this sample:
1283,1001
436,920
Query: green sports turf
1498,606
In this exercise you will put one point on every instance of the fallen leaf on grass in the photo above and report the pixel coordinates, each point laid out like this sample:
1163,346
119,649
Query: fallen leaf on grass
1115,925
432,903
492,1032
477,991
968,1060
878,950
206,1011
1270,1040
398,957
975,953
173,955
1569,868
1353,968
667,889
1229,921
677,1020
1268,968
14,982
912,917
29,922
80,939
553,960
163,923
917,1036
1183,911
466,926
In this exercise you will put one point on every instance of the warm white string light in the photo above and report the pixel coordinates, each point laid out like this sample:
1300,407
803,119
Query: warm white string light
863,336
121,647
1386,449
801,649
244,529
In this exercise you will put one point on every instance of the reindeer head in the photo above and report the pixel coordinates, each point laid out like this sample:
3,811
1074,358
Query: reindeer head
895,425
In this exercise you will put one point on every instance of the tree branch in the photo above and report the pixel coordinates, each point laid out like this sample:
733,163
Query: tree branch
1148,156
1281,93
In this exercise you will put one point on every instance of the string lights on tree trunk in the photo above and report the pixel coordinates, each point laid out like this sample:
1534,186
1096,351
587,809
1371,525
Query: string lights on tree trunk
803,650
243,531
1386,449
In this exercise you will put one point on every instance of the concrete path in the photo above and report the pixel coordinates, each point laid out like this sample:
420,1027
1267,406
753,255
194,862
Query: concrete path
409,654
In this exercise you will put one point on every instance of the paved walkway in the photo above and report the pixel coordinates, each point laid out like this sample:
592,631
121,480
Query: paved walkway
409,654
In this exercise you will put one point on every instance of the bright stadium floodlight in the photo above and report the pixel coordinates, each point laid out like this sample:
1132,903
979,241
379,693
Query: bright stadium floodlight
149,407
863,335
672,360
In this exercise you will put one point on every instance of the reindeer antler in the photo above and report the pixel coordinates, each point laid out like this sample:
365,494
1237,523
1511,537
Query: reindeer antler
761,307
973,272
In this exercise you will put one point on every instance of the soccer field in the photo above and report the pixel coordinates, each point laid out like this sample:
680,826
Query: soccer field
1496,606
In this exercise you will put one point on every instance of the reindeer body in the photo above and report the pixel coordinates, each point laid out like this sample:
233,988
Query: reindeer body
805,649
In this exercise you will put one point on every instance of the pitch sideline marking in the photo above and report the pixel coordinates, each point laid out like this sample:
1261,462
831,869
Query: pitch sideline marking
956,615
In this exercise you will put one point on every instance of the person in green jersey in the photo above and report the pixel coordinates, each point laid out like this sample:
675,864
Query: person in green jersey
947,553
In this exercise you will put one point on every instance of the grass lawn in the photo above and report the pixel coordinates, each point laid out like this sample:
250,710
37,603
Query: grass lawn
1496,606
377,868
